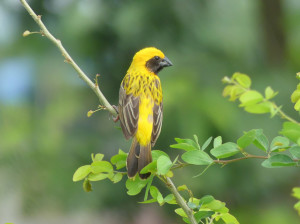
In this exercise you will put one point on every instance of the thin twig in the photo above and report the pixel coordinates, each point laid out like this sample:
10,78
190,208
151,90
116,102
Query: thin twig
68,58
181,202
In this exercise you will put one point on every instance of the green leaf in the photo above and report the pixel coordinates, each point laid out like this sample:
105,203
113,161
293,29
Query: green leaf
260,108
247,139
279,160
297,207
119,160
215,205
297,106
242,79
180,212
250,97
192,205
163,165
157,153
279,144
187,141
225,150
206,143
261,140
217,141
295,96
202,215
197,157
148,188
182,188
269,93
197,141
148,201
296,192
206,199
170,199
229,219
117,177
87,187
134,186
98,176
184,146
101,166
97,157
151,167
81,172
156,195
295,151
233,91
291,131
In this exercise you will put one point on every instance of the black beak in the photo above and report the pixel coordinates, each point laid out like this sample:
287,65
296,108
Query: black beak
165,62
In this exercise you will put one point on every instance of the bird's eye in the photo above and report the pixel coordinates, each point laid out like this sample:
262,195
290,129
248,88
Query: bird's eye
156,58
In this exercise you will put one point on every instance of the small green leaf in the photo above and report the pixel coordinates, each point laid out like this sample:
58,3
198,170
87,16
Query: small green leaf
184,146
101,166
242,79
182,188
163,165
151,167
291,131
269,93
297,207
279,160
187,141
192,205
148,201
97,157
295,151
206,199
81,172
225,150
296,192
135,185
297,106
180,212
98,176
261,141
206,143
156,195
203,214
157,153
250,97
197,157
279,144
229,219
197,141
247,139
260,108
170,199
217,141
87,187
119,160
117,177
216,205
295,96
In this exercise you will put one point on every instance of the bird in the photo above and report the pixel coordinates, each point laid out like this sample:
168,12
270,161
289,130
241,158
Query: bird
140,108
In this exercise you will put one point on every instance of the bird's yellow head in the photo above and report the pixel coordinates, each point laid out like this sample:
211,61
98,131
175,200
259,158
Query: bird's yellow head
150,58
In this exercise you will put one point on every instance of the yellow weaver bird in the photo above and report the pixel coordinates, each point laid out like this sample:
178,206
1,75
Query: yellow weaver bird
141,107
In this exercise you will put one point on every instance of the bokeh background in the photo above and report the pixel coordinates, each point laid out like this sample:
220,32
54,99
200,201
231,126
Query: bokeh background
45,134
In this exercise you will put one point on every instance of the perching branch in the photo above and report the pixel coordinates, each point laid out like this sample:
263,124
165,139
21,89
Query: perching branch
44,32
181,202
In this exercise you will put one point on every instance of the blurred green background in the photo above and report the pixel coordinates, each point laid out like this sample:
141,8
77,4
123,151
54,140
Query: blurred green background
45,133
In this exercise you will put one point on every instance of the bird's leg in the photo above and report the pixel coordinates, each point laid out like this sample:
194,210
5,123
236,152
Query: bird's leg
115,119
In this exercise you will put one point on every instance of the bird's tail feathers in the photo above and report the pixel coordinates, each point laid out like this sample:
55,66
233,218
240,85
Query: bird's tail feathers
139,156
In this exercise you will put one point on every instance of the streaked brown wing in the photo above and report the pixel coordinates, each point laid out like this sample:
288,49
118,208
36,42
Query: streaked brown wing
157,122
128,112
